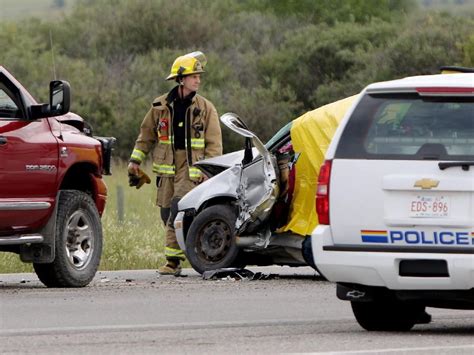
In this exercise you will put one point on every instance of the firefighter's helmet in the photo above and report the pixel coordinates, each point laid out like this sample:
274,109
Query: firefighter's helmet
191,63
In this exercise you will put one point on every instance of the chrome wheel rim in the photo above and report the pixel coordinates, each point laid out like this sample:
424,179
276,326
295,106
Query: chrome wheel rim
79,240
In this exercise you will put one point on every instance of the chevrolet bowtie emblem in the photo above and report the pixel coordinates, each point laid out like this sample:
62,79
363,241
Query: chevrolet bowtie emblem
426,184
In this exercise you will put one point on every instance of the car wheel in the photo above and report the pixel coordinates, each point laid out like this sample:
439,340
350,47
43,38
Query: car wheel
78,244
386,315
307,251
210,243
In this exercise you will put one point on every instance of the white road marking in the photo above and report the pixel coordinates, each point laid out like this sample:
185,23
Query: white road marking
396,350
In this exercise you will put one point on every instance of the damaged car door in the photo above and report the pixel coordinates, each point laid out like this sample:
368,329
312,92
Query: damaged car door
258,186
238,200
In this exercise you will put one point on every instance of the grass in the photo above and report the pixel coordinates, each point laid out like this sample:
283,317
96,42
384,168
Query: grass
136,242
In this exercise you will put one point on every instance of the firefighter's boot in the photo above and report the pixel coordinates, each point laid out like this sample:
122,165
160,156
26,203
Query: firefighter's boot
171,267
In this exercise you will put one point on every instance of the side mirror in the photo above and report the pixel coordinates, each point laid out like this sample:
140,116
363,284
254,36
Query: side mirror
59,97
234,122
59,101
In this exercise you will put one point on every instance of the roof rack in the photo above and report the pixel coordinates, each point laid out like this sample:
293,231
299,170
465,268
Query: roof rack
449,69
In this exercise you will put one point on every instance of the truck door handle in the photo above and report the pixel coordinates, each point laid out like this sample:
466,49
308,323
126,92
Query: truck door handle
3,140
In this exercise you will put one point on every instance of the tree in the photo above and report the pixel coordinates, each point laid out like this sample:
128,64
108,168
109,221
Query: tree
269,61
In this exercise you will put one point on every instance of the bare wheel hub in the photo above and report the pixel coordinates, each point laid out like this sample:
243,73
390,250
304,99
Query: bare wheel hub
215,239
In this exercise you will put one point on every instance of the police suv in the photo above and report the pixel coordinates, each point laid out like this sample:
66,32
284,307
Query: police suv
395,201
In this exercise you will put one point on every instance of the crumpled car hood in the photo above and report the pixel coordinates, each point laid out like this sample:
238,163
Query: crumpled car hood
216,165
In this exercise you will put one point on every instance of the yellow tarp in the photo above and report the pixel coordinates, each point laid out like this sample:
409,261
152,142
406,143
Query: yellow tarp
311,134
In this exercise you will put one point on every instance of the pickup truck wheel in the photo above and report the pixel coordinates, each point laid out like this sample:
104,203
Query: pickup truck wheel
386,315
78,245
210,244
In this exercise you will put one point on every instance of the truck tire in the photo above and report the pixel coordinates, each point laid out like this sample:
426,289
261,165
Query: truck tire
78,243
386,315
210,243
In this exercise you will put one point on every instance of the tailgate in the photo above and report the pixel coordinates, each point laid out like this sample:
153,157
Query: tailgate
403,173
408,204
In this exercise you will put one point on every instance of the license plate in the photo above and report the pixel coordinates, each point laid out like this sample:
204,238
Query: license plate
429,206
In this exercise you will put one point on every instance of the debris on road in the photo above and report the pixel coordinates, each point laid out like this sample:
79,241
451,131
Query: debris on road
236,274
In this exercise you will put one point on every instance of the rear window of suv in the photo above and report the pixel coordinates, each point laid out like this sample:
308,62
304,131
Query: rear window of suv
409,127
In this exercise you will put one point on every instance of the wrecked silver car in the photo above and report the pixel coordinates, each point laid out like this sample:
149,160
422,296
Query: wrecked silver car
257,207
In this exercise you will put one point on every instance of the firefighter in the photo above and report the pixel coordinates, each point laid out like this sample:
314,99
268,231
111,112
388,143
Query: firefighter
182,128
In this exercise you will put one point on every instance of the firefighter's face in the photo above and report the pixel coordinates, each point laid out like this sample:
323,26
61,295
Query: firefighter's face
191,82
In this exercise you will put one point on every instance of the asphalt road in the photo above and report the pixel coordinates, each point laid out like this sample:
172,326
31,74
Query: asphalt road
138,312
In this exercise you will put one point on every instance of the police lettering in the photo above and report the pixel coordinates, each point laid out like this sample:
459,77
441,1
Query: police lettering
432,238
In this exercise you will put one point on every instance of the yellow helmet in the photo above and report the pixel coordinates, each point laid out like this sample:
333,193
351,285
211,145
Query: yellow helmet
191,63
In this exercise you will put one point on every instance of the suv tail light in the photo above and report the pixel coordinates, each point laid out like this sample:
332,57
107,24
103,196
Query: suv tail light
322,194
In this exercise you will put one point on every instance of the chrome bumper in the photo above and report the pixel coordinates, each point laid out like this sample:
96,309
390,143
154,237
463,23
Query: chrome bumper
21,239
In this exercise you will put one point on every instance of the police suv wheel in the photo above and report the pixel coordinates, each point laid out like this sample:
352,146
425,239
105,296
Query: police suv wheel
210,243
78,244
386,315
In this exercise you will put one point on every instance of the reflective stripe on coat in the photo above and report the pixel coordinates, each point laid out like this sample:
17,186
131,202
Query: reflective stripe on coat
203,135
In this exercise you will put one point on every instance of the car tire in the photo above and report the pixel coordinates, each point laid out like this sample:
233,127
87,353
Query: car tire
386,315
210,243
307,252
78,243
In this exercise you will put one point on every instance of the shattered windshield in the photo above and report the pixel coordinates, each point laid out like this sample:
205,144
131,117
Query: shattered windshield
284,131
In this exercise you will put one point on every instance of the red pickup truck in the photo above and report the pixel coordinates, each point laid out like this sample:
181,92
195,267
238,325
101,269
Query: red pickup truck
52,194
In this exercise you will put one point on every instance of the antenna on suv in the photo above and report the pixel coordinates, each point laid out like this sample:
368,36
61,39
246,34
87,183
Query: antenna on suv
52,53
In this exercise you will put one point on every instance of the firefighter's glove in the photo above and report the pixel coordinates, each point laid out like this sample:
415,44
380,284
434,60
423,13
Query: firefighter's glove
138,180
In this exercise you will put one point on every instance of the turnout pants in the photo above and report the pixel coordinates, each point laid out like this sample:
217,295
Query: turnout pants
170,191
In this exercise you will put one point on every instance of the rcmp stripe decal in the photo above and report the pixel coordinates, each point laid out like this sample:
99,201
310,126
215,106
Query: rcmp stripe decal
412,237
371,236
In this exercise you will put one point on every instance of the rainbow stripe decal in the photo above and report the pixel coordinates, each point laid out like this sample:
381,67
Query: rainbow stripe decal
369,236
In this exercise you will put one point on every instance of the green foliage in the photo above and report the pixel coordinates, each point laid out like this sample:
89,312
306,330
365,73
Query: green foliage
421,46
428,43
316,56
250,104
333,11
268,60
468,50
